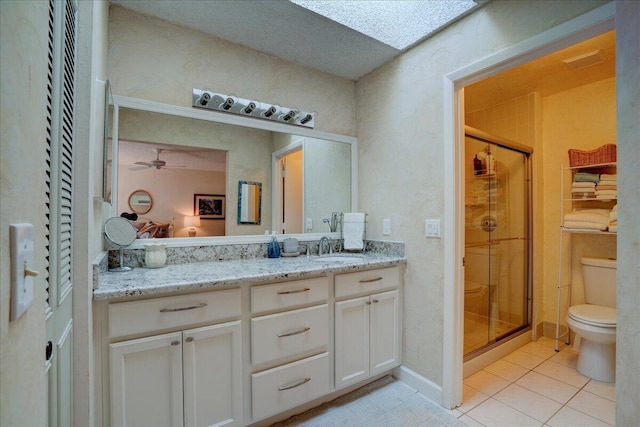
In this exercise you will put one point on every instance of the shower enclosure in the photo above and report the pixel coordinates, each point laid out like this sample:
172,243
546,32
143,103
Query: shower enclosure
497,301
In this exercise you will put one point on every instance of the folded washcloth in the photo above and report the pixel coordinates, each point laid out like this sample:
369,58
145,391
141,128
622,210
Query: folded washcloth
606,187
580,225
583,190
586,177
607,176
608,182
607,193
583,184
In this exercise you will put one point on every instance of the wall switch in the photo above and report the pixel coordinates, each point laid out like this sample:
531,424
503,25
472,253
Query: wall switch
432,228
21,252
308,223
386,227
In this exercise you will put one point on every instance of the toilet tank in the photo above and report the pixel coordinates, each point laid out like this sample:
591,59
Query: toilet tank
599,278
481,265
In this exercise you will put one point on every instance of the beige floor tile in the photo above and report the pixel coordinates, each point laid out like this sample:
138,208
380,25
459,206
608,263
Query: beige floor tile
470,421
563,373
548,387
486,382
524,359
506,370
471,398
606,390
496,414
528,402
567,357
595,406
539,350
570,417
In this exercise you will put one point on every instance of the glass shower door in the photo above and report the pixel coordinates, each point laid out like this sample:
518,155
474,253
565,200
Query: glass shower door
496,243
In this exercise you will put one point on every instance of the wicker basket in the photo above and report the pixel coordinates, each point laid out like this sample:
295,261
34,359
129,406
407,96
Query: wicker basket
604,154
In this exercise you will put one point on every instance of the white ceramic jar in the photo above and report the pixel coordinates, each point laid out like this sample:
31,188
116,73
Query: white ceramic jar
155,254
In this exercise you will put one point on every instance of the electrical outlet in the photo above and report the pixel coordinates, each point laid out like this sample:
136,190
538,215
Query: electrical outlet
432,228
386,227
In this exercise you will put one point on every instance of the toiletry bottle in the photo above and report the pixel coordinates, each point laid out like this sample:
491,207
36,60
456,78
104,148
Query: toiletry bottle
477,165
273,250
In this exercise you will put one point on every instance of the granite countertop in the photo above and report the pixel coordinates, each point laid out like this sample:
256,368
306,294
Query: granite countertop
219,274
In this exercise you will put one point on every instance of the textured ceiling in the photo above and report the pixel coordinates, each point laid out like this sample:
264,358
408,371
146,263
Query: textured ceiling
299,35
547,75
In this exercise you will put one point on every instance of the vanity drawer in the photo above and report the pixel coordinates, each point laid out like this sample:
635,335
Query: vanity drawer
282,335
289,294
137,317
366,282
278,389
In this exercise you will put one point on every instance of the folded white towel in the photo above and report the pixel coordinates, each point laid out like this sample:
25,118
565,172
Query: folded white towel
583,185
583,190
595,217
613,216
613,228
353,230
581,225
607,176
608,182
615,209
609,193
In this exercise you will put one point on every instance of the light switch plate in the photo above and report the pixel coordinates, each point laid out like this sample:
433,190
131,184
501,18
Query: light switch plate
386,227
308,224
21,252
432,228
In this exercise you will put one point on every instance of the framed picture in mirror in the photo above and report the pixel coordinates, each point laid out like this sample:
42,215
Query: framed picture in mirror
209,206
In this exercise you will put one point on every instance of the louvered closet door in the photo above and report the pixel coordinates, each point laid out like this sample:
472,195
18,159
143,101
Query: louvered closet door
59,145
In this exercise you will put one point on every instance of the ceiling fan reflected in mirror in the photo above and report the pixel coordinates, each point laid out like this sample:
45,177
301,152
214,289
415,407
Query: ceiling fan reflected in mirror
156,163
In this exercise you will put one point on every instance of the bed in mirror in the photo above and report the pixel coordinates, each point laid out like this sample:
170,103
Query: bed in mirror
176,153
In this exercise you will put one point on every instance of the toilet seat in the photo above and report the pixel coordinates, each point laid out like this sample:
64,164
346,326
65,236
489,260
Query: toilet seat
471,287
594,315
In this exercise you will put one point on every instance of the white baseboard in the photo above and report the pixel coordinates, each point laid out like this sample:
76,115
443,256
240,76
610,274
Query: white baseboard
426,387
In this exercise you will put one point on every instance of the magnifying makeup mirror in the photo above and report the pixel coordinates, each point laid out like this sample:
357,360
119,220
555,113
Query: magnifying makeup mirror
119,233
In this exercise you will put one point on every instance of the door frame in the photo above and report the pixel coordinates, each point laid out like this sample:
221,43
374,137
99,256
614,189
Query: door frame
578,29
276,188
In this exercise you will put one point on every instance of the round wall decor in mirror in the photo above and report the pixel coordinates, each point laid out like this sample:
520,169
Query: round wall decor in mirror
119,233
140,201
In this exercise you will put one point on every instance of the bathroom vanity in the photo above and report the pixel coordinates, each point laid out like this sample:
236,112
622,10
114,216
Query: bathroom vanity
242,342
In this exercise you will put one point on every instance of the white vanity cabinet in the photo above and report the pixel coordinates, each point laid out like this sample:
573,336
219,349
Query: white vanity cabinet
191,376
289,345
367,324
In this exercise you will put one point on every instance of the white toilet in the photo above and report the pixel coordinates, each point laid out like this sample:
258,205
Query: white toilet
480,273
595,321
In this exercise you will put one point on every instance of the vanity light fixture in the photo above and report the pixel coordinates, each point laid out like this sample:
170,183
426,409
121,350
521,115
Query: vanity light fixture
246,107
192,221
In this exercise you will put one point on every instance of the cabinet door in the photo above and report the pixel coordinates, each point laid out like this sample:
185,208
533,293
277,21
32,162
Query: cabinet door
352,341
146,381
384,323
213,375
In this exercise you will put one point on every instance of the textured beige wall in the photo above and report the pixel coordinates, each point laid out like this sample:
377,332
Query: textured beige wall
23,78
628,329
152,59
400,132
583,118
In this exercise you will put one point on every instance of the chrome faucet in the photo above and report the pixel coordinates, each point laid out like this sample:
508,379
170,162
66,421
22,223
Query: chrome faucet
323,240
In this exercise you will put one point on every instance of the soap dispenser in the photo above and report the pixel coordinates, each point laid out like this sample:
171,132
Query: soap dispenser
273,250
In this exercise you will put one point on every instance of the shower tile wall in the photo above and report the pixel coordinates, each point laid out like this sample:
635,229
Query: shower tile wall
512,119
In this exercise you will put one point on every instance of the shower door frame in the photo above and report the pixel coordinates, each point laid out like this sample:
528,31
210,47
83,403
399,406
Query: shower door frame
527,152
583,27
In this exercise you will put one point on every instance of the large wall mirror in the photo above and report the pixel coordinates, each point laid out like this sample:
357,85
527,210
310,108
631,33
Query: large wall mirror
176,153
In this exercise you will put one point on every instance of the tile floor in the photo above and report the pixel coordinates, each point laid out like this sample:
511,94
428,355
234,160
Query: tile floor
535,386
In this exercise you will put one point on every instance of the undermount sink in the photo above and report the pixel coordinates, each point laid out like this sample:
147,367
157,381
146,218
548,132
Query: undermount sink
338,258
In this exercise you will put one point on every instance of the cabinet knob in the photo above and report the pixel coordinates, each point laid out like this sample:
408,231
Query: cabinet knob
189,339
368,302
375,301
175,342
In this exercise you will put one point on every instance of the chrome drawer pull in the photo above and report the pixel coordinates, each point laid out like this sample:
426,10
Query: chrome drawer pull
174,343
296,291
296,332
191,307
377,279
375,301
189,339
293,385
